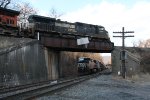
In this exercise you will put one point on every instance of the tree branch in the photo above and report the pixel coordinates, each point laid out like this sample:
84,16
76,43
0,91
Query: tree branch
7,3
2,3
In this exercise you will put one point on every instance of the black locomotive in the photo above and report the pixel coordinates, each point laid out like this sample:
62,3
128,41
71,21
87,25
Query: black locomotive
46,24
87,66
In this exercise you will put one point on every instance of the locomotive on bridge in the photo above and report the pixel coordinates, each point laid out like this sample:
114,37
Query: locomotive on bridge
42,24
87,66
46,24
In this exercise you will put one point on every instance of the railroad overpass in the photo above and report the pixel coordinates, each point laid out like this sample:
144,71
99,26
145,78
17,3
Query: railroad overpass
68,42
25,61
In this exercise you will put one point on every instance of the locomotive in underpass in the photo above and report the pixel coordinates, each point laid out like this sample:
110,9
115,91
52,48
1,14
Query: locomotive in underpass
87,65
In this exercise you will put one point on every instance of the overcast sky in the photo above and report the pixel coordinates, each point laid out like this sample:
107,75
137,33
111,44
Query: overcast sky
134,15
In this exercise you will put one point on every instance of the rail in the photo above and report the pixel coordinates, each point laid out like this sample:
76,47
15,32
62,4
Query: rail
32,90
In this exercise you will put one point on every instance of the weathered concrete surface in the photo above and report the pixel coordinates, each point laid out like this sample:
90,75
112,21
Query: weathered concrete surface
22,64
68,64
52,63
144,54
136,61
24,61
10,41
132,62
104,87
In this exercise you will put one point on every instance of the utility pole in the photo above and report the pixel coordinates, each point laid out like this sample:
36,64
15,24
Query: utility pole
123,49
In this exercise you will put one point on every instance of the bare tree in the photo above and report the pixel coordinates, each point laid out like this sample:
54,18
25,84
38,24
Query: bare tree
4,3
147,43
138,44
54,13
143,44
25,11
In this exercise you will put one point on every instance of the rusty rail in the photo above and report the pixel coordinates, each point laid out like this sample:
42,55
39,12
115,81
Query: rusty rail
33,90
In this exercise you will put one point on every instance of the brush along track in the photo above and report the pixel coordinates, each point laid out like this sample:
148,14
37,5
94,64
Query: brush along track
33,90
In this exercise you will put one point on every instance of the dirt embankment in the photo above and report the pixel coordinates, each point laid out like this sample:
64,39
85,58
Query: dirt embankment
144,54
11,41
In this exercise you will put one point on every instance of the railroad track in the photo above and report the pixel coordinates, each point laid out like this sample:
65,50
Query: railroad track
7,35
32,90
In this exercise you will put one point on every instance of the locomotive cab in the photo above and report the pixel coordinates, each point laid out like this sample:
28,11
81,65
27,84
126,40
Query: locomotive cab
88,65
40,24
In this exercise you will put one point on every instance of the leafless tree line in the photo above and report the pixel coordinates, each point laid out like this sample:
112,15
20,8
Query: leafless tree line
142,43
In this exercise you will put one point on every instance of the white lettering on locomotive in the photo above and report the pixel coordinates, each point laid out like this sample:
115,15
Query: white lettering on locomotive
69,26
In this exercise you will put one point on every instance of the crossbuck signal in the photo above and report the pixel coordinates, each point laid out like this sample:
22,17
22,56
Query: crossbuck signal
123,49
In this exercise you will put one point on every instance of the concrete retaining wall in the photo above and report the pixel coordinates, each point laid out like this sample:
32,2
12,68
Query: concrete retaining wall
27,62
132,63
52,63
22,65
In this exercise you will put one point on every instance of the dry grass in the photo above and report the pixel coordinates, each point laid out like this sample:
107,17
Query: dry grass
9,41
4,42
141,78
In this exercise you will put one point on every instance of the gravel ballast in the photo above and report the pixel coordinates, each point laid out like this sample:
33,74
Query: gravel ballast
103,87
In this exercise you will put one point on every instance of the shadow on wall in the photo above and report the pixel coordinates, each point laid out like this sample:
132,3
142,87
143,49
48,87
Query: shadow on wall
23,65
145,63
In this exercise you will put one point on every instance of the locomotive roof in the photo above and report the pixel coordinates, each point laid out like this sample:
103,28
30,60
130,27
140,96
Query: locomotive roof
40,17
80,23
10,11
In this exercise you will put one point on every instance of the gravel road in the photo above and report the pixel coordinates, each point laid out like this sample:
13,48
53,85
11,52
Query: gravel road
103,87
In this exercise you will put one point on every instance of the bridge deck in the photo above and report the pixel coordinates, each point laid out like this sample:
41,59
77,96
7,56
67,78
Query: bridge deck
69,43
